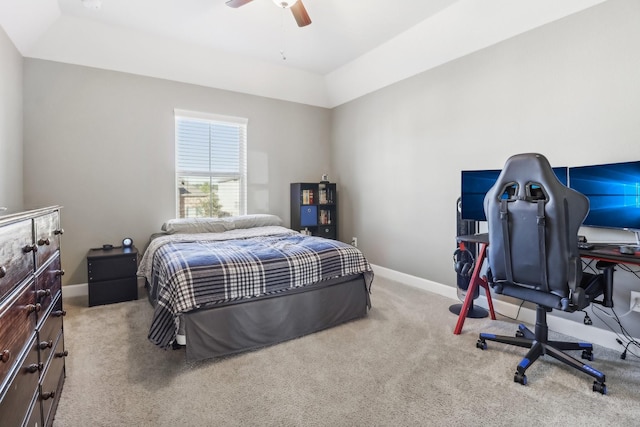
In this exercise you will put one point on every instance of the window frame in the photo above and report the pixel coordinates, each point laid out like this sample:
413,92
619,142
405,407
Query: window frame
212,119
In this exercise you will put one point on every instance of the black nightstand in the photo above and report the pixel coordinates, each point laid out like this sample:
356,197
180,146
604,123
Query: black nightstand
112,275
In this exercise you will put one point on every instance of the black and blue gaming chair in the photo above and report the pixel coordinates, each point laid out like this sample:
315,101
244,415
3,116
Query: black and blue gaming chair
533,221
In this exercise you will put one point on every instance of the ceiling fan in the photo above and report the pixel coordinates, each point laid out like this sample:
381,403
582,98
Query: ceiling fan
296,6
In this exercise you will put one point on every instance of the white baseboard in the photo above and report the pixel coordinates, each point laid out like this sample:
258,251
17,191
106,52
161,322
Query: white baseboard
416,282
80,290
526,315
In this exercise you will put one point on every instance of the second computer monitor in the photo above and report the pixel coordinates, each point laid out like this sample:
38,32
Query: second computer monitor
613,191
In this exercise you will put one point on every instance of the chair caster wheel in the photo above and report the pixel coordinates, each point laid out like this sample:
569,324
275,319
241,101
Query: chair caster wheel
521,378
599,387
481,344
588,355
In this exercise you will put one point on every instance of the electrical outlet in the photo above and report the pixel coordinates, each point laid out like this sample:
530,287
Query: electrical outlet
635,301
354,242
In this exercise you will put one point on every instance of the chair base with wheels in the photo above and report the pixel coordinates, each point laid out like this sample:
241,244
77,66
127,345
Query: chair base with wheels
539,345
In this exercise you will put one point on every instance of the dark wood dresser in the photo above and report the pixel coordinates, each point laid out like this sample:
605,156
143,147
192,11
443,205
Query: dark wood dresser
32,353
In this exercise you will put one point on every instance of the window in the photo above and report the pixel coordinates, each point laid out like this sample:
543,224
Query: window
211,171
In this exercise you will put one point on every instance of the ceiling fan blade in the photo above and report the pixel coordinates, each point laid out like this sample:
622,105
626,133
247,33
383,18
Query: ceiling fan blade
300,13
237,3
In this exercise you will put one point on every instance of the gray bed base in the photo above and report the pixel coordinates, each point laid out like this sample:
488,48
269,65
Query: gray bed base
227,329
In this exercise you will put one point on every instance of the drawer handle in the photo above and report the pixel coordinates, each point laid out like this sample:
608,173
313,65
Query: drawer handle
33,307
3,271
46,344
59,273
62,354
43,293
48,395
58,232
44,242
5,356
30,248
59,313
34,367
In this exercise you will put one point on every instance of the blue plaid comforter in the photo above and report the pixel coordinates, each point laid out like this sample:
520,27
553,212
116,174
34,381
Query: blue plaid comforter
197,272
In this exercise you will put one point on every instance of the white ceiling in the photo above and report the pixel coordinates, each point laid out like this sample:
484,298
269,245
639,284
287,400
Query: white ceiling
340,31
352,47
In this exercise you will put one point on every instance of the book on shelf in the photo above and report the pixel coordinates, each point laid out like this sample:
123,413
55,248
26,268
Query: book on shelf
307,197
325,217
323,196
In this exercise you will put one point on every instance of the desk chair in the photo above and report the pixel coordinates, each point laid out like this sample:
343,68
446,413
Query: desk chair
533,222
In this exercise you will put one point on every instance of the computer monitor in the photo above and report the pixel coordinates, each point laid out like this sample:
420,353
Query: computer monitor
476,183
613,191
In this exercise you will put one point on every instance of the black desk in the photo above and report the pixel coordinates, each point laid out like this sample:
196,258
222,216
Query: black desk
610,252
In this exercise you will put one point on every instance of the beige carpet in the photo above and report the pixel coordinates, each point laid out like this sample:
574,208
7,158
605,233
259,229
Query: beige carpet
400,366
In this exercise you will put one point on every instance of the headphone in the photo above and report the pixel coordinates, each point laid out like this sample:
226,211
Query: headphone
463,262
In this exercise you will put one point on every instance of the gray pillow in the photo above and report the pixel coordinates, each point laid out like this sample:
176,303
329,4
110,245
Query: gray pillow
219,225
256,220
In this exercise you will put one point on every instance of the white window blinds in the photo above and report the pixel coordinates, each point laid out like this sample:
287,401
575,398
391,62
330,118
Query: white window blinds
210,165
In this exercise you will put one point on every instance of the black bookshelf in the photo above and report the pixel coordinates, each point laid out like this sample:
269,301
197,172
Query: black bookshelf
314,208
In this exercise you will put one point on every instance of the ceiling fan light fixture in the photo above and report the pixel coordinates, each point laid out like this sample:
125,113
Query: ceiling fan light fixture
92,4
285,4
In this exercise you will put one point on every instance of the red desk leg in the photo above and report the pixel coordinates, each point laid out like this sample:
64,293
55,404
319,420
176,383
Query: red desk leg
476,281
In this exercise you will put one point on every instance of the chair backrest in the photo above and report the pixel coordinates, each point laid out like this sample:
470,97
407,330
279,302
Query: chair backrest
533,221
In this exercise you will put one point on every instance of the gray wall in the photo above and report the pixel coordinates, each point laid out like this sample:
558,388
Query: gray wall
569,90
11,186
101,144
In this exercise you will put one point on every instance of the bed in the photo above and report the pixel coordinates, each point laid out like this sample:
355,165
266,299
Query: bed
224,285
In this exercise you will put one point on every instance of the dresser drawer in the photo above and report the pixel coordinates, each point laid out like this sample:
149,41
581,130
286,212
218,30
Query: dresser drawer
34,415
46,236
19,394
48,284
52,381
18,311
49,332
15,263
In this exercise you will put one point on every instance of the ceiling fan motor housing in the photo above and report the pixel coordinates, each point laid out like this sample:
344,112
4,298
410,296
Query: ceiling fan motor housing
285,4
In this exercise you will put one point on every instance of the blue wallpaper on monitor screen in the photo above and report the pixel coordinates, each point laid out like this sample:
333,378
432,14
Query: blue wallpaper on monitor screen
475,185
613,191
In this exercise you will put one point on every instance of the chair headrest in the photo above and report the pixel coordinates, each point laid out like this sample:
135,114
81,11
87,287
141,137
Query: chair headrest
527,176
